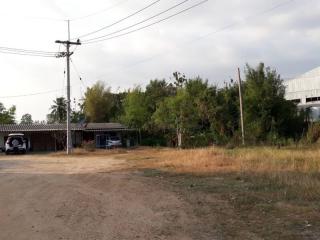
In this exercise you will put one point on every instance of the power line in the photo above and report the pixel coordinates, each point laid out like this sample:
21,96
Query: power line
31,94
25,50
149,25
222,29
98,12
138,23
28,54
77,72
121,20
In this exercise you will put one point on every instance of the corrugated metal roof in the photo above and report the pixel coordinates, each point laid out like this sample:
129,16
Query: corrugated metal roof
98,126
61,127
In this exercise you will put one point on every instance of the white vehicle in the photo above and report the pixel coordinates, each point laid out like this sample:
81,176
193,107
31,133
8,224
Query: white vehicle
113,142
16,143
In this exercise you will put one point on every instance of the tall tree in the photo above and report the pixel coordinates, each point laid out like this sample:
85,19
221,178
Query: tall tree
135,106
265,109
7,116
178,113
26,119
58,112
97,103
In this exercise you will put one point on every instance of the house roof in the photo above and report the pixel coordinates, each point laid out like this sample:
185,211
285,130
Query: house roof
62,127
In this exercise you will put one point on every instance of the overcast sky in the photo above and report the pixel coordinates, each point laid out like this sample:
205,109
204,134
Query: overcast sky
211,41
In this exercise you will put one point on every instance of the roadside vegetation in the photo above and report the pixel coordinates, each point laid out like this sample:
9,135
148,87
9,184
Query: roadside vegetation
192,112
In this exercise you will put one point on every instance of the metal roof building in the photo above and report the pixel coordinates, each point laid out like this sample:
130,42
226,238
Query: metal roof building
305,91
52,137
62,127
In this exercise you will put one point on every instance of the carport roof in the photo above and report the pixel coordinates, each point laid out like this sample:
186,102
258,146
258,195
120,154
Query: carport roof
62,127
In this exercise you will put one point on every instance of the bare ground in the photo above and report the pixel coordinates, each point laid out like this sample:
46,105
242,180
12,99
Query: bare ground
54,197
121,195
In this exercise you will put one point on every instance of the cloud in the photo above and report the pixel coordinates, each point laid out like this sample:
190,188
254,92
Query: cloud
211,41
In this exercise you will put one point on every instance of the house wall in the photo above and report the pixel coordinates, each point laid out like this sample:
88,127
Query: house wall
2,135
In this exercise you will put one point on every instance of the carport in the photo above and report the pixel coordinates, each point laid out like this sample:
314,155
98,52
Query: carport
52,137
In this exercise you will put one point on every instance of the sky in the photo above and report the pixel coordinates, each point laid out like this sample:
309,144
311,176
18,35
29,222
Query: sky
210,41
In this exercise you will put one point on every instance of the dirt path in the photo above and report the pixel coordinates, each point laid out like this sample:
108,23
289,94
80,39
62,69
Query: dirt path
88,198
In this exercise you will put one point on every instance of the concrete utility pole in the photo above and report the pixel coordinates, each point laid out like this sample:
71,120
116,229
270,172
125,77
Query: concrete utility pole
241,107
67,55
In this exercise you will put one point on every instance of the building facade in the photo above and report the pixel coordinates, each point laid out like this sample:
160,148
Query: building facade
52,137
305,92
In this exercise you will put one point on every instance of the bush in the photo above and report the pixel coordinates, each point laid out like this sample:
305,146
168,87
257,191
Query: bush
89,146
154,141
313,133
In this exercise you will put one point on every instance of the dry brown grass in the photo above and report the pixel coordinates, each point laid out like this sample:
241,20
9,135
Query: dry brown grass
80,152
213,160
295,171
275,193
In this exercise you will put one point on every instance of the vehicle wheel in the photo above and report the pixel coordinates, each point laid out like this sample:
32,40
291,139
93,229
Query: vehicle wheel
7,152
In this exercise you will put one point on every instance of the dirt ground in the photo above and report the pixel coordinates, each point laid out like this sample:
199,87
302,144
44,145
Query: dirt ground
55,197
117,195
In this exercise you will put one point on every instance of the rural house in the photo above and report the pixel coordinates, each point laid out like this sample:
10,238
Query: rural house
52,137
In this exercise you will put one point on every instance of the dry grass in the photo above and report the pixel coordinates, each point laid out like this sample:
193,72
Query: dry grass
259,160
295,171
273,193
80,152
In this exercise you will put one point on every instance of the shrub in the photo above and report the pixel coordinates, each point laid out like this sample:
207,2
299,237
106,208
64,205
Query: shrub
313,133
89,146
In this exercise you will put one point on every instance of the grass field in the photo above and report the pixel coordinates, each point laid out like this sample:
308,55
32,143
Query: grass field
273,192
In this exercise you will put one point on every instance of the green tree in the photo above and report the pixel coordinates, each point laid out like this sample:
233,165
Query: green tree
178,113
225,121
7,116
266,111
26,119
97,103
77,114
135,107
58,112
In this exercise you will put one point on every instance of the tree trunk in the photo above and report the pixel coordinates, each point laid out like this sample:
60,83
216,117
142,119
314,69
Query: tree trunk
179,137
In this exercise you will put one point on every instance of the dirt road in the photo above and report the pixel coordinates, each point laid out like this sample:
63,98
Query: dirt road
45,197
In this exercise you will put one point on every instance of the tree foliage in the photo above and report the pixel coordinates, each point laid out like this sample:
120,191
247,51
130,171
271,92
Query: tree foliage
267,113
136,112
58,110
26,119
7,116
191,112
97,103
191,109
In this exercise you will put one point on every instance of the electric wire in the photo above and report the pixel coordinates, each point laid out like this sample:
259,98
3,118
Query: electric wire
31,94
26,52
99,12
146,26
222,29
138,23
78,73
119,21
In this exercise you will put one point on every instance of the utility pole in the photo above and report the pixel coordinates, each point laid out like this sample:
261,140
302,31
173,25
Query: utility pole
241,107
68,43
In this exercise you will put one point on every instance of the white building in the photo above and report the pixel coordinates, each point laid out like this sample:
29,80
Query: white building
305,91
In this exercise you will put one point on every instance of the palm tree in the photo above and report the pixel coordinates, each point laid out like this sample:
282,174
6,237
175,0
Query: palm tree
58,111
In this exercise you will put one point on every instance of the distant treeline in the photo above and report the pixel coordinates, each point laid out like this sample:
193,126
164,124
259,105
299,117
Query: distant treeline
191,112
